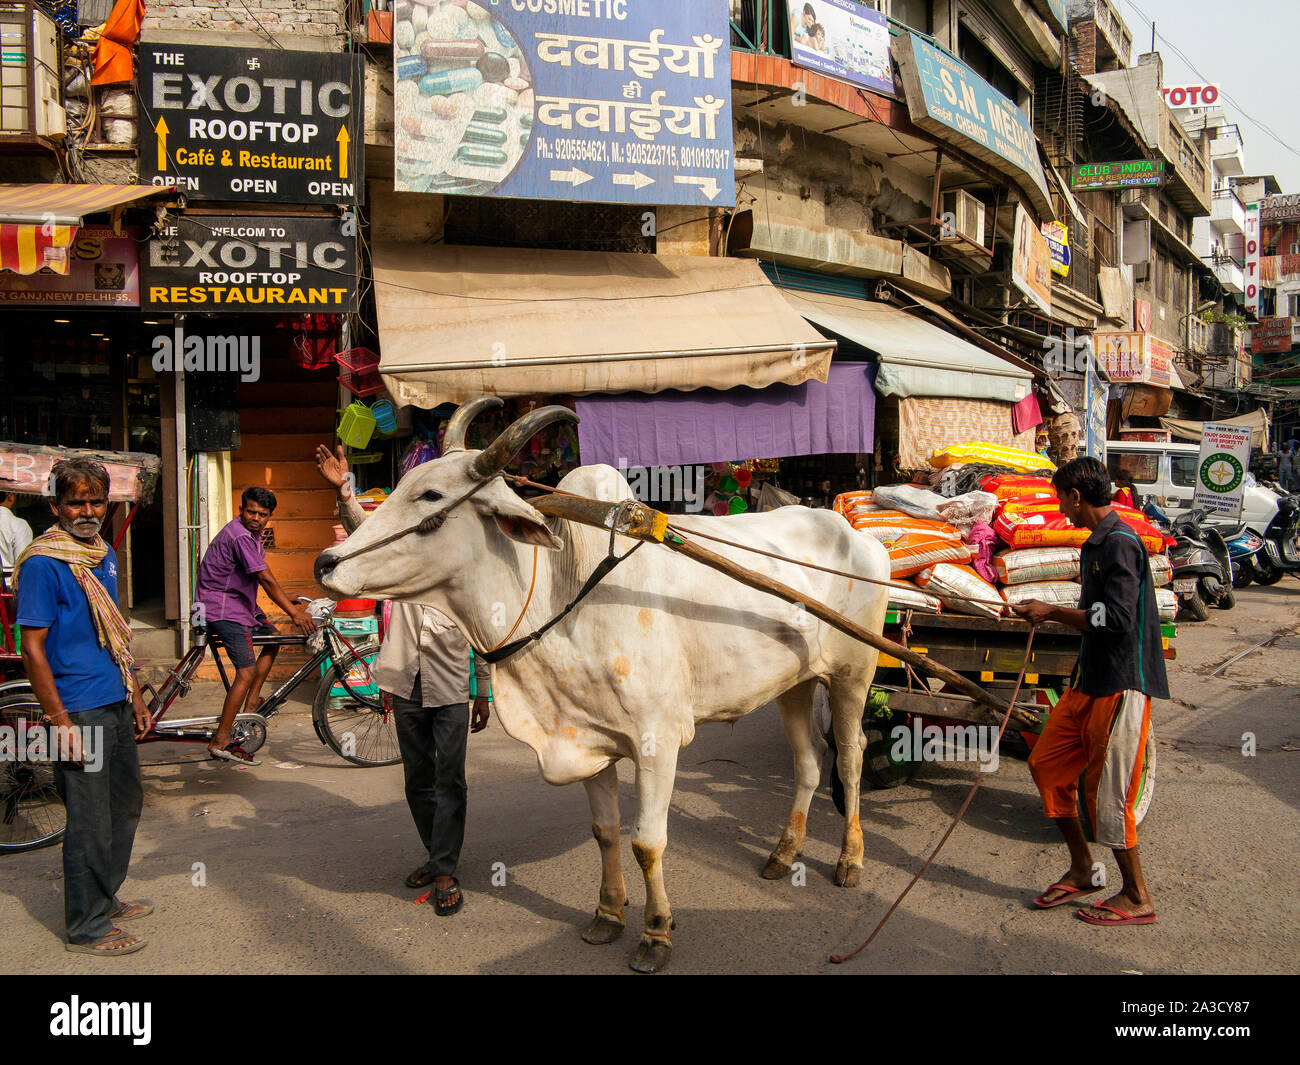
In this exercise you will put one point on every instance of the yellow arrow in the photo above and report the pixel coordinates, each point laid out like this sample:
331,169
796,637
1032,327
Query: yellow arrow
161,130
343,152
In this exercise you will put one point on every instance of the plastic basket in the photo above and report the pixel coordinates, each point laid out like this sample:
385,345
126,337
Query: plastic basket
385,416
357,425
358,371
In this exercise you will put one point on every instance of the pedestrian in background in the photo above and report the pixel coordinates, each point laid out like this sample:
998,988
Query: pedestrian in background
15,534
76,651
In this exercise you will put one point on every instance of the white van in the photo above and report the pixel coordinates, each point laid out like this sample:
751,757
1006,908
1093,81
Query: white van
1166,473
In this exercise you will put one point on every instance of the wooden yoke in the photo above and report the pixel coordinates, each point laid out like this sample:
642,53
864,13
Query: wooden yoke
639,522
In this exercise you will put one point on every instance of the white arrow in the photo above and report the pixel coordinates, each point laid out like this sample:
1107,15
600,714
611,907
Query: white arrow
637,180
574,177
708,186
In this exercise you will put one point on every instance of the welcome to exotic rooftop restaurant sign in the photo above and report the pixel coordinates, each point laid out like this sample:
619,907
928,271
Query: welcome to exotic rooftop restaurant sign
947,98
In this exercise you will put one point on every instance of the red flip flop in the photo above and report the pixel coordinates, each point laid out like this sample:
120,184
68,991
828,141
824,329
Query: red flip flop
1124,918
1072,892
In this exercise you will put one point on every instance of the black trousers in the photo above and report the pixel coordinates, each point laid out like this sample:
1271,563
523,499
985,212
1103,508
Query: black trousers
432,740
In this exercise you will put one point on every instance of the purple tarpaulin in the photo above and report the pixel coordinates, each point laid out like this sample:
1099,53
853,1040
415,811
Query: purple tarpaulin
707,425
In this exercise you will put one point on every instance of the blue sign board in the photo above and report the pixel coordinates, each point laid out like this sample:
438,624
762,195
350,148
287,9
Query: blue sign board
947,98
603,101
845,39
1096,397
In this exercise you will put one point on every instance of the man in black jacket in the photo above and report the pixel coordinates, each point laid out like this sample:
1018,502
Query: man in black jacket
1102,725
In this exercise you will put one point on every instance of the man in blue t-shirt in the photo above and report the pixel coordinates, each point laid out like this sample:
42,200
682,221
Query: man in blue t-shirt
76,651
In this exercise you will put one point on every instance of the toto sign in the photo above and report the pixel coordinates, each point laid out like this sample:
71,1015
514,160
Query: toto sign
1191,95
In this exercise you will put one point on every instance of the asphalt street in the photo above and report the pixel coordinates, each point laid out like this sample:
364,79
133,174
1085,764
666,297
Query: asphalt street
296,866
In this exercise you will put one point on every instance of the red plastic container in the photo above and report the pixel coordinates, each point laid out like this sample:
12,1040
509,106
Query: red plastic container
358,371
355,608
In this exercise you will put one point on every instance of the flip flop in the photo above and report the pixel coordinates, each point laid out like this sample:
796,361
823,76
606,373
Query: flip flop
1071,892
131,911
1124,918
103,946
440,906
233,752
421,877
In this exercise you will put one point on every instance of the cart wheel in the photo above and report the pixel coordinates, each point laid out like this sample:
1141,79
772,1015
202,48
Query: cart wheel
31,809
878,764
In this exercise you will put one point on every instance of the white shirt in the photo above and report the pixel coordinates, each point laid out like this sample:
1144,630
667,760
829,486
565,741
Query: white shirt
15,535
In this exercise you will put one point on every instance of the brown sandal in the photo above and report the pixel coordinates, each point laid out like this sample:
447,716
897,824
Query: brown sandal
116,942
132,911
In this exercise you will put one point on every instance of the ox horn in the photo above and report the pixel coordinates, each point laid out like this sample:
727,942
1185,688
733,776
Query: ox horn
458,425
492,460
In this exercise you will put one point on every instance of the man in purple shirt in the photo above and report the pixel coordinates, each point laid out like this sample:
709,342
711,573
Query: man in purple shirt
233,567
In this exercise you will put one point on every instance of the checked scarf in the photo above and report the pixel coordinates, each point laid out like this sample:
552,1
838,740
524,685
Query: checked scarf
81,557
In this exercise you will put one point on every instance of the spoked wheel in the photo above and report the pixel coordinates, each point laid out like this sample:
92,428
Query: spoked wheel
249,731
31,810
348,724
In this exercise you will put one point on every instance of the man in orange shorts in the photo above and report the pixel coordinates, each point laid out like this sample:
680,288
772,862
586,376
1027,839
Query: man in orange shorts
1102,725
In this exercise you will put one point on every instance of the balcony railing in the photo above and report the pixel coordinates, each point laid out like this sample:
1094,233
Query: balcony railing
1228,213
760,26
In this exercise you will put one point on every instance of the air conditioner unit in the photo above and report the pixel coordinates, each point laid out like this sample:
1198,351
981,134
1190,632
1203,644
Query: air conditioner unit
961,219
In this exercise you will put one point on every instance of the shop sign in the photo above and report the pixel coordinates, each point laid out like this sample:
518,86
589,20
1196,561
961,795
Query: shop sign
208,264
1280,208
1221,469
1058,245
1134,358
1250,236
1271,336
252,125
103,272
1031,262
1096,397
843,38
945,97
1128,174
596,101
1191,95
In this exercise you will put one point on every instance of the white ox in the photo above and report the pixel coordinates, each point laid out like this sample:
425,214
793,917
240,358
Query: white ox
659,646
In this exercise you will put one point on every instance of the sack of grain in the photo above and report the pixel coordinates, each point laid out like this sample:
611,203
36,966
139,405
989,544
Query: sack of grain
909,598
913,552
1167,604
910,499
1057,593
1037,564
1162,570
1023,461
890,525
956,586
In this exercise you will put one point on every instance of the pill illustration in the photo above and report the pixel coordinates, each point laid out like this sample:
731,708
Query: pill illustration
503,34
515,84
525,121
492,115
402,11
453,49
404,34
477,156
478,134
410,66
494,67
444,106
449,81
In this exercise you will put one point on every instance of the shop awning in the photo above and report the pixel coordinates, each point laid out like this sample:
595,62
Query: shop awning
708,425
457,322
916,358
38,223
1256,421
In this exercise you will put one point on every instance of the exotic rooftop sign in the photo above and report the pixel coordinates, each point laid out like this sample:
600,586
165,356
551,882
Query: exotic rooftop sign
236,124
947,98
1280,208
1133,173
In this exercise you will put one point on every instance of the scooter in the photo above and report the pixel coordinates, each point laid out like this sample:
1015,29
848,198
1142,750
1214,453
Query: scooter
1243,545
1201,563
1281,552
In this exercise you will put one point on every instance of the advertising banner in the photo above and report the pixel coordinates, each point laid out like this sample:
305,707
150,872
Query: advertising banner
103,272
1271,336
1134,358
1031,262
1133,173
1057,235
1096,394
1250,237
1221,469
252,125
252,263
843,38
1280,208
601,101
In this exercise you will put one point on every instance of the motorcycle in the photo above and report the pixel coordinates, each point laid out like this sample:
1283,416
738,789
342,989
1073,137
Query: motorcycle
1243,545
1201,563
1281,551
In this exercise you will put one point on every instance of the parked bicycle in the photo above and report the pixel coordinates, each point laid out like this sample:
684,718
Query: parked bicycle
348,714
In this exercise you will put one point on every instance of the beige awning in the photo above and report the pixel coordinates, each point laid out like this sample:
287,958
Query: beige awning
457,322
1256,421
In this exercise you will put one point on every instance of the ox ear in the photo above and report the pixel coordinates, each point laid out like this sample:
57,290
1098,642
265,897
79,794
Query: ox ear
517,520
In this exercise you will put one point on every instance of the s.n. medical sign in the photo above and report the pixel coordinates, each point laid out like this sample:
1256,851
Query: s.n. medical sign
947,98
244,125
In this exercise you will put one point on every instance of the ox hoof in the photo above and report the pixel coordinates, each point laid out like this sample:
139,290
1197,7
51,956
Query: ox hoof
603,929
651,955
775,869
847,875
